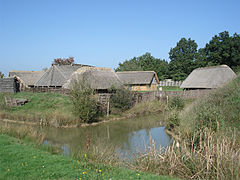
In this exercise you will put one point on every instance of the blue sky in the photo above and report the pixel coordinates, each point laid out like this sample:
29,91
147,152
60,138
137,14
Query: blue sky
105,32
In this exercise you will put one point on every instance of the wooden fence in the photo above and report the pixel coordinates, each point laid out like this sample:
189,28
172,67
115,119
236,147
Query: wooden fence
104,98
170,83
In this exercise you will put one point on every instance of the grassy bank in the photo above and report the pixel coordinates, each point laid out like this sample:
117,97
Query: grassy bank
52,109
22,160
218,112
208,139
46,108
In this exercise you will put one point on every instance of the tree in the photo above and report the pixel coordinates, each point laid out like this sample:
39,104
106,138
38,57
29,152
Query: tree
64,61
146,62
121,98
1,75
84,102
223,49
183,58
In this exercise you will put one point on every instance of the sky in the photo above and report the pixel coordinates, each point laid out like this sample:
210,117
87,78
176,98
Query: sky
104,33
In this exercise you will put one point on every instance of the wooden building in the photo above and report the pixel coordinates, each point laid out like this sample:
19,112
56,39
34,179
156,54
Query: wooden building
57,75
139,80
26,79
208,77
8,85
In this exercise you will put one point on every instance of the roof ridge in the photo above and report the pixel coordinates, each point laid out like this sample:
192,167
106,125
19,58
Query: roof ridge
24,71
213,67
134,71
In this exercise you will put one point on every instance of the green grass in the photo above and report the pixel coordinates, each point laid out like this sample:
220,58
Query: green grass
218,111
20,160
51,108
171,88
43,102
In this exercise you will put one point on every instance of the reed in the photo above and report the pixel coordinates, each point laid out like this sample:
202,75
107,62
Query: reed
23,132
215,157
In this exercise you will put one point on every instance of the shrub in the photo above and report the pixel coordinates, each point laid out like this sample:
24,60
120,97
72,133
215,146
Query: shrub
173,120
121,99
176,102
84,102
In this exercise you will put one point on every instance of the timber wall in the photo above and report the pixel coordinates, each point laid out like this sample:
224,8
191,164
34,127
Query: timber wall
8,85
160,95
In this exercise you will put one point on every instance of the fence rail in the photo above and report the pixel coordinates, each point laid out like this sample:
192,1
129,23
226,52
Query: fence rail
170,83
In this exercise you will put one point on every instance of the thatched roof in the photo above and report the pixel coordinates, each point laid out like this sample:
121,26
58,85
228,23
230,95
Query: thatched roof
28,78
208,77
98,78
57,75
138,77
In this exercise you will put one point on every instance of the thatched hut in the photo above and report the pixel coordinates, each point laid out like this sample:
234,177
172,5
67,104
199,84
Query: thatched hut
208,77
57,75
26,79
100,79
139,80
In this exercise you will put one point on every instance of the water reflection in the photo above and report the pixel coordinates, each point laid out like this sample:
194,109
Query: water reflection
128,136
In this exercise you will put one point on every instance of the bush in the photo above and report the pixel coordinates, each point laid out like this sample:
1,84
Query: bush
121,99
176,102
84,102
173,120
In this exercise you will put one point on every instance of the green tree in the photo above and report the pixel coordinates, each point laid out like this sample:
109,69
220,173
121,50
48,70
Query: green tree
1,75
84,102
121,98
146,62
223,49
183,59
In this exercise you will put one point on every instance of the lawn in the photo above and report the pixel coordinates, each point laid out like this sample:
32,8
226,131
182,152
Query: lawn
21,160
171,88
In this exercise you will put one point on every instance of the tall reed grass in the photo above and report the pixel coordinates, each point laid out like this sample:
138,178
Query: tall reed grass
215,157
23,132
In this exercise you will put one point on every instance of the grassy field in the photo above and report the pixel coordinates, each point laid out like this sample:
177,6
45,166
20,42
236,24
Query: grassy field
20,160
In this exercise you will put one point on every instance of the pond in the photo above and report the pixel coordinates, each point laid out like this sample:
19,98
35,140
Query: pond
126,136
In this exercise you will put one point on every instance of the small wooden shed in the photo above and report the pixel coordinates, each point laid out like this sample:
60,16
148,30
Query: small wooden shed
8,85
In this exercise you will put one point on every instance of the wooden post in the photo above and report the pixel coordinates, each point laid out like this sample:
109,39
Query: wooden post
108,134
108,104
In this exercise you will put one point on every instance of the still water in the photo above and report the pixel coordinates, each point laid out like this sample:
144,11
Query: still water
127,136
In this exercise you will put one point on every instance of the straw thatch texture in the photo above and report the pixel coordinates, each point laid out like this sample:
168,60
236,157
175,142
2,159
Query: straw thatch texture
208,77
27,78
138,77
57,75
97,78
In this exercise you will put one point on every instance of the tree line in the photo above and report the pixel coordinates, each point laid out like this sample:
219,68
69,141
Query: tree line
185,57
